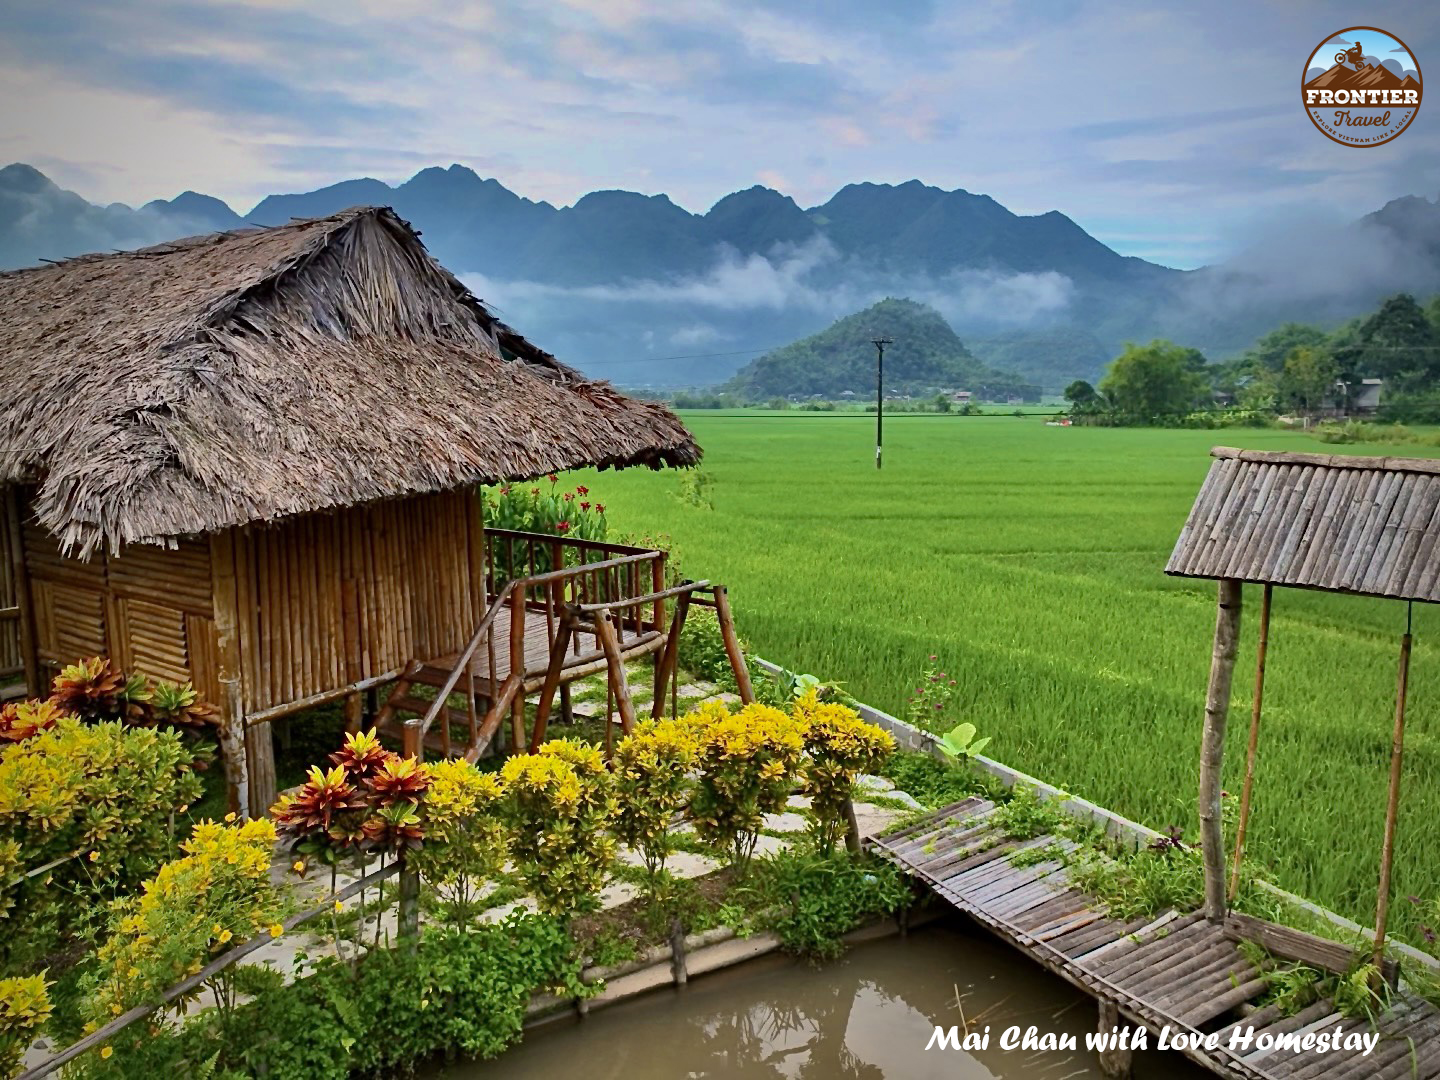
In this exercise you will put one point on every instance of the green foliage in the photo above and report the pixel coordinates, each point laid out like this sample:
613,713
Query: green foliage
695,487
932,783
102,791
842,357
1309,376
960,742
1081,395
930,700
1268,355
218,895
839,747
652,783
466,841
560,805
702,647
540,507
459,993
24,1012
748,763
811,900
1135,884
1160,379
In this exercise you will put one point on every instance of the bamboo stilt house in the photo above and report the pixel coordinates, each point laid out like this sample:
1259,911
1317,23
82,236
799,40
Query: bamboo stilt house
249,459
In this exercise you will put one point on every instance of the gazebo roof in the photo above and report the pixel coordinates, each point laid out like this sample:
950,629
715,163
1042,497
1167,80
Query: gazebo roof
1363,525
250,375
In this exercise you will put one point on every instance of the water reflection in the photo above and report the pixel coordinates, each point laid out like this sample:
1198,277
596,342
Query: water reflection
865,1017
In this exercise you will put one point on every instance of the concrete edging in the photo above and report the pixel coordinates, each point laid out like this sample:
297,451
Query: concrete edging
909,737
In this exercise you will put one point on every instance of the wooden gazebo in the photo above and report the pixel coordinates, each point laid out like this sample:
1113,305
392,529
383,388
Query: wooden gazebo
250,460
1367,526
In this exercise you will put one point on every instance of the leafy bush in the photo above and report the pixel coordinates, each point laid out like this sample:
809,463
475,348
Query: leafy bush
812,900
839,746
652,783
560,804
465,837
102,791
192,910
24,1010
748,763
702,647
457,993
933,782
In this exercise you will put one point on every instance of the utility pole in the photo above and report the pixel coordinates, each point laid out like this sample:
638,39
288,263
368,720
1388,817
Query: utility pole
880,344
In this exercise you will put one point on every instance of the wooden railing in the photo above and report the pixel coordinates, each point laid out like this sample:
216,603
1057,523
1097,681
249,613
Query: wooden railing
616,578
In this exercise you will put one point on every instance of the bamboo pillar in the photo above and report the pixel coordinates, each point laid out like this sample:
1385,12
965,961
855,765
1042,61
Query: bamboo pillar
1212,745
1392,804
1252,746
28,656
246,753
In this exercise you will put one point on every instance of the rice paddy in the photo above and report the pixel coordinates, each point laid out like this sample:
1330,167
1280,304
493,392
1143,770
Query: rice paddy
1029,560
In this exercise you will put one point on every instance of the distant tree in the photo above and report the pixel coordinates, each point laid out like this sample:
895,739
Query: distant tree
1309,376
942,403
777,403
1155,380
1269,353
1399,344
1432,312
1081,395
1258,392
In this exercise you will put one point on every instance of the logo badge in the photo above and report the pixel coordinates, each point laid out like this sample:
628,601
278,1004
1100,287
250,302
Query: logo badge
1361,87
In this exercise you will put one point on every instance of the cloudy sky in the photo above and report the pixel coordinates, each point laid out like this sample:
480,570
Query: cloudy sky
1174,133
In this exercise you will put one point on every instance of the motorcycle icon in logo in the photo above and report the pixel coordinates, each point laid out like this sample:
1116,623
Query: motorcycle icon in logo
1369,94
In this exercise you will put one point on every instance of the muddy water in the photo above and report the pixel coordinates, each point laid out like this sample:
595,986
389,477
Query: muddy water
866,1016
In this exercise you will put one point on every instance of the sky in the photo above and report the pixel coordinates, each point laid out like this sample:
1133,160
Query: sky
1173,132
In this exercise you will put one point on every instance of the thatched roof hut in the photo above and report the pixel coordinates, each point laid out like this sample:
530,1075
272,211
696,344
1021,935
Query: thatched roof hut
247,376
248,459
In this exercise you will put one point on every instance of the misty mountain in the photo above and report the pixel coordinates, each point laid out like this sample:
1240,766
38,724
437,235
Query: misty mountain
637,289
926,355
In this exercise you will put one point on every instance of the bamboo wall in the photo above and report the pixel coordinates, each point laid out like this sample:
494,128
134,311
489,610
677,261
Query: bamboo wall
326,600
12,666
148,609
323,601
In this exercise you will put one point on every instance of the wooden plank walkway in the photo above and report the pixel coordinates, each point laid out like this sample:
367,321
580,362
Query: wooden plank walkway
1177,970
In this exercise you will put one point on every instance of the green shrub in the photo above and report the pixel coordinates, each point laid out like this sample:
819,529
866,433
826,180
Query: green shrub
702,648
102,791
24,1009
810,901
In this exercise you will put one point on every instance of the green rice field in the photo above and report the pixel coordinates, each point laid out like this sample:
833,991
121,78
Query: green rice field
1029,560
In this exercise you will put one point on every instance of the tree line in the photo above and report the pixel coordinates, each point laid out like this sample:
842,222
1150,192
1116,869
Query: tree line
1295,367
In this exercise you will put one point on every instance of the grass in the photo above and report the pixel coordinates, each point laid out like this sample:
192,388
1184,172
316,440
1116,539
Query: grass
1029,559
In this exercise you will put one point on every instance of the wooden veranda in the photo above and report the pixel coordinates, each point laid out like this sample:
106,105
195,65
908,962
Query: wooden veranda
558,610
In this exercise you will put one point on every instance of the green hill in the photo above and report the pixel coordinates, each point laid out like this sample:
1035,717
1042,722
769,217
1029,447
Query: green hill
925,356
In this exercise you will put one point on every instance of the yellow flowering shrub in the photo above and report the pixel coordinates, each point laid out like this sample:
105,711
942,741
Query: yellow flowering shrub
839,746
102,791
748,762
652,782
192,910
466,841
560,804
24,1011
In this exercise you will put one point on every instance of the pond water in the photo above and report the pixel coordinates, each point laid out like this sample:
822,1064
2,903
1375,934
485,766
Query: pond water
866,1016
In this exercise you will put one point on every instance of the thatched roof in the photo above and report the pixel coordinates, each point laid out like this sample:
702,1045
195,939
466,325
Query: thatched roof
246,376
1366,525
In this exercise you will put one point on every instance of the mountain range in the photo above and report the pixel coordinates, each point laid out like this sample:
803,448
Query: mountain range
637,289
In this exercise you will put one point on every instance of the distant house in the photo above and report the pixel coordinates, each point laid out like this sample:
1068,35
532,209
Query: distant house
847,393
961,397
1367,396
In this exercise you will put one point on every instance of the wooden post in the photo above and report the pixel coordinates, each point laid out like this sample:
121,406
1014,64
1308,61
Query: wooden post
732,646
249,757
611,646
552,680
852,828
1251,747
28,656
666,660
1115,1062
1212,745
1392,805
517,665
408,916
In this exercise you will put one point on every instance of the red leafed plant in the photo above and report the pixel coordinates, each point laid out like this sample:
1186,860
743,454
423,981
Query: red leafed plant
314,808
91,689
21,720
398,781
